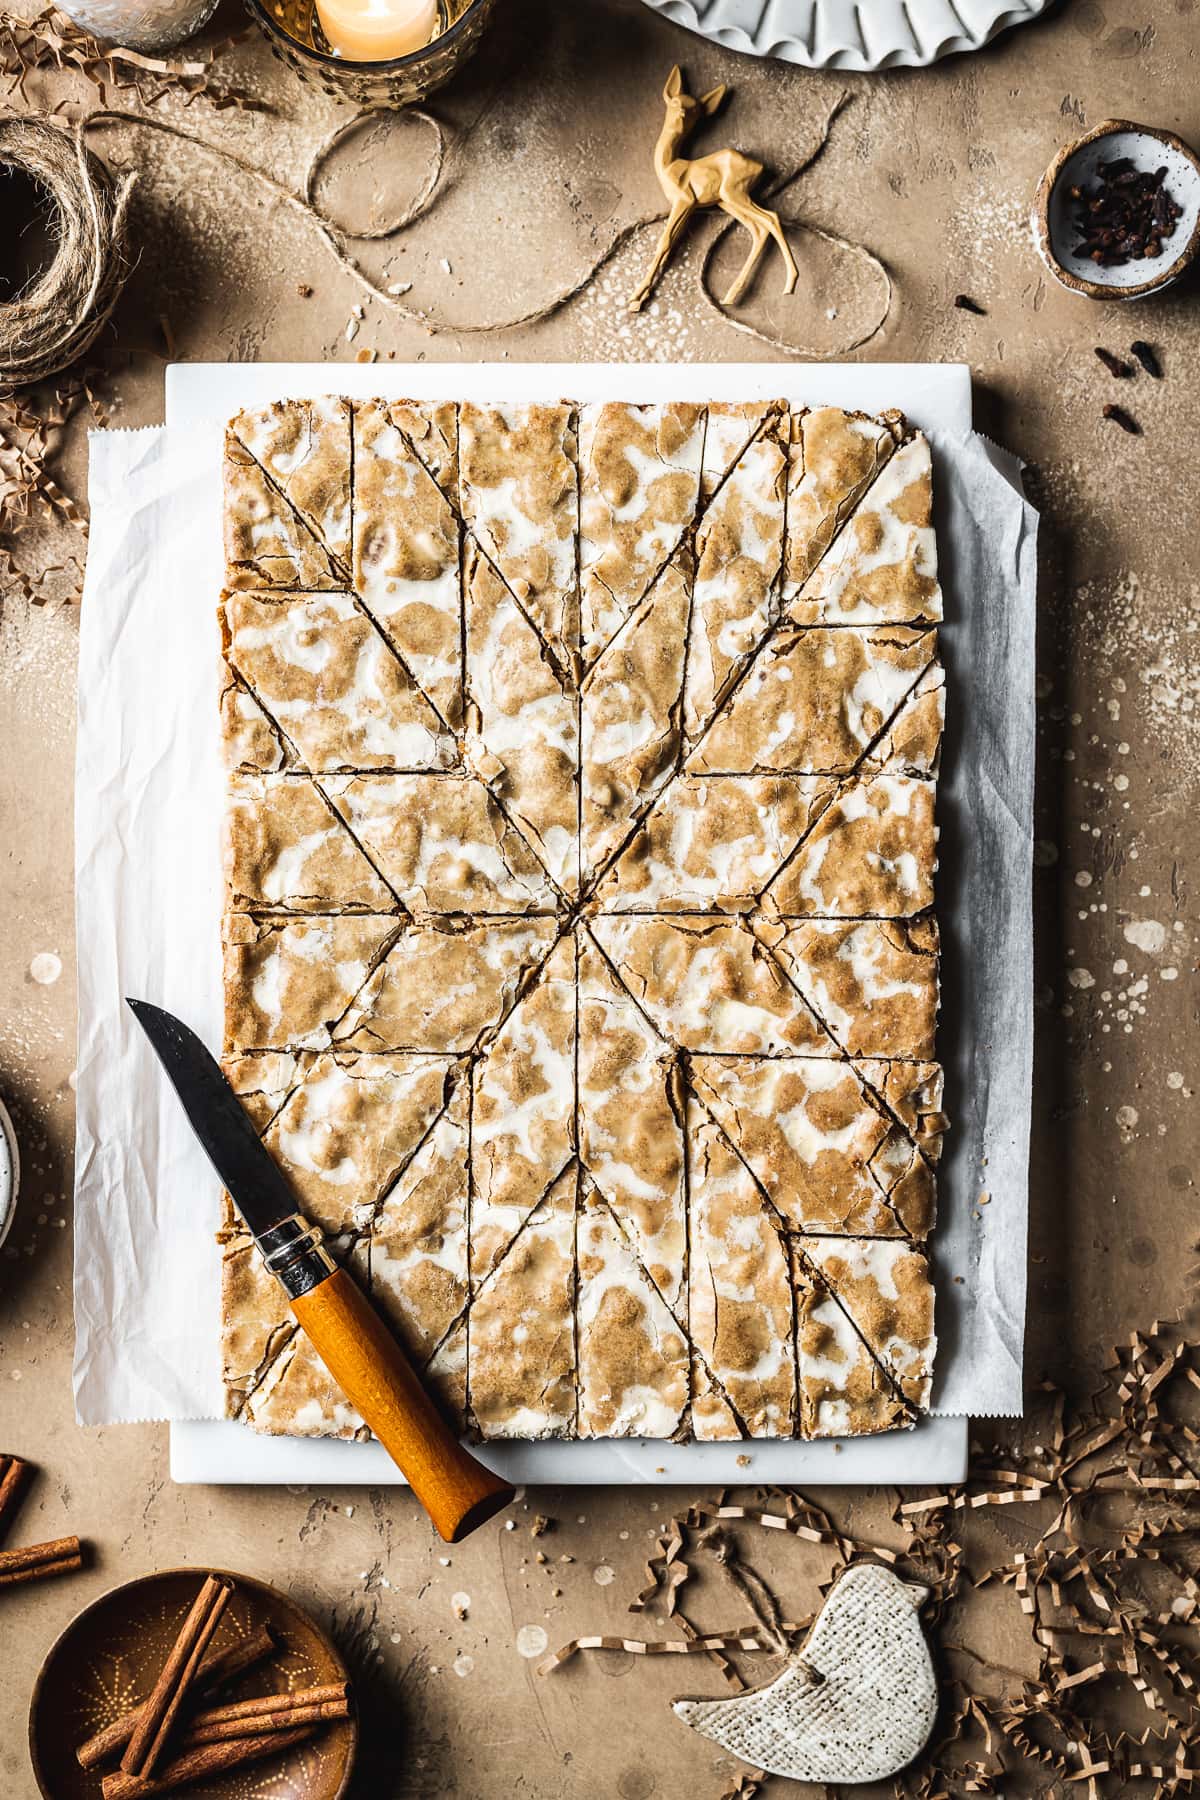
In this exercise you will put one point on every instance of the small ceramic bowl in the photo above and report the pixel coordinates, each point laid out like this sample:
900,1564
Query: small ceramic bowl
1055,228
10,1172
111,1652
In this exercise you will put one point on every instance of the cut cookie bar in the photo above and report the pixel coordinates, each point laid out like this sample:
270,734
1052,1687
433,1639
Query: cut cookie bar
739,546
729,429
520,499
872,853
832,1142
844,1391
349,1127
739,1290
417,1247
523,1121
406,552
713,842
639,480
442,843
289,981
834,458
886,1290
710,985
304,446
630,723
882,568
633,1360
329,682
873,982
249,739
286,850
521,1365
630,1125
263,1080
267,544
815,701
445,985
523,725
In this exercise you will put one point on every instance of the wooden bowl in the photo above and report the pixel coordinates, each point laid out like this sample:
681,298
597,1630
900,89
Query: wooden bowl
1053,225
110,1654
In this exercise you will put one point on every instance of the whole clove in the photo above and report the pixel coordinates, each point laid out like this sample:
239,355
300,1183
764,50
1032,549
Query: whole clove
1120,417
1127,214
1148,358
965,304
1116,365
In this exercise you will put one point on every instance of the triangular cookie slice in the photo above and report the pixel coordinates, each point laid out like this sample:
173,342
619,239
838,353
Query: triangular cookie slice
267,543
709,985
872,852
256,1321
630,721
348,1129
286,850
739,1289
873,982
739,547
249,739
844,1391
912,743
834,458
521,1328
631,1137
298,1397
633,1358
815,701
417,1249
886,1289
730,427
445,985
289,981
523,727
304,446
263,1080
639,482
407,554
713,842
821,1142
523,1120
442,843
329,681
520,498
882,568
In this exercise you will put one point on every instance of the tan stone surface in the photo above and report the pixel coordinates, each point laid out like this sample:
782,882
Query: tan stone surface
934,169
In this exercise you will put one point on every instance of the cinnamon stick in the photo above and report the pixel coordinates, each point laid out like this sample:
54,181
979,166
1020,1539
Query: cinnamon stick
205,1760
58,1556
218,1667
271,1712
144,1750
14,1473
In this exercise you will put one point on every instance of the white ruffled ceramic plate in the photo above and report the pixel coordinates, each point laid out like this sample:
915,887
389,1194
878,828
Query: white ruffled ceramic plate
851,34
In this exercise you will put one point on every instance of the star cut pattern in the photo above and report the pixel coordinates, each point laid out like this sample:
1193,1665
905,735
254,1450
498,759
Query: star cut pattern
580,961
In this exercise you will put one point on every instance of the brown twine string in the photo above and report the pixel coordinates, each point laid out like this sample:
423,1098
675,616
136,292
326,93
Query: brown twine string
336,238
52,323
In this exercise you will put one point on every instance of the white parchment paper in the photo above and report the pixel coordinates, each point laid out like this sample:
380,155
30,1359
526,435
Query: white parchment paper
148,806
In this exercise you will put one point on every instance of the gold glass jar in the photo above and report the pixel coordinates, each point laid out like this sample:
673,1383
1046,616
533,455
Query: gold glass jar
295,36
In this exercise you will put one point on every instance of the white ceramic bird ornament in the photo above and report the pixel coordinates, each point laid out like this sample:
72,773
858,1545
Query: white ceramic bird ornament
856,1706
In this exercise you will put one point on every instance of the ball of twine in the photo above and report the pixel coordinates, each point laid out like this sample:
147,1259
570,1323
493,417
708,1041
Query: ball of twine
57,317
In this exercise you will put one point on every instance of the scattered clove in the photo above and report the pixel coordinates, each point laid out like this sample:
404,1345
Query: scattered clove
1120,417
1125,215
1116,365
1148,358
965,304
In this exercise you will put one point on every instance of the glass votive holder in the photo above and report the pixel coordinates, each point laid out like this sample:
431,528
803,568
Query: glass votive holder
294,33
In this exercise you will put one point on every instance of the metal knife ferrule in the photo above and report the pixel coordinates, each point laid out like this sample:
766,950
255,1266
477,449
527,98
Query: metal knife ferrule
294,1251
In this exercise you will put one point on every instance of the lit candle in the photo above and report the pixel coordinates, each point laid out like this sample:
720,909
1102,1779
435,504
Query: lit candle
372,30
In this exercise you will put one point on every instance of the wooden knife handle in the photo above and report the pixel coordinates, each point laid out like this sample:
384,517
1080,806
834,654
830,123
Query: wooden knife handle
369,1366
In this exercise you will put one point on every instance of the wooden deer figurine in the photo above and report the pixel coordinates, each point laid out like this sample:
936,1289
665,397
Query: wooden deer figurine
723,179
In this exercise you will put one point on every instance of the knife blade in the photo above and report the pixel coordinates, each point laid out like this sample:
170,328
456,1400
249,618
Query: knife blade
350,1338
